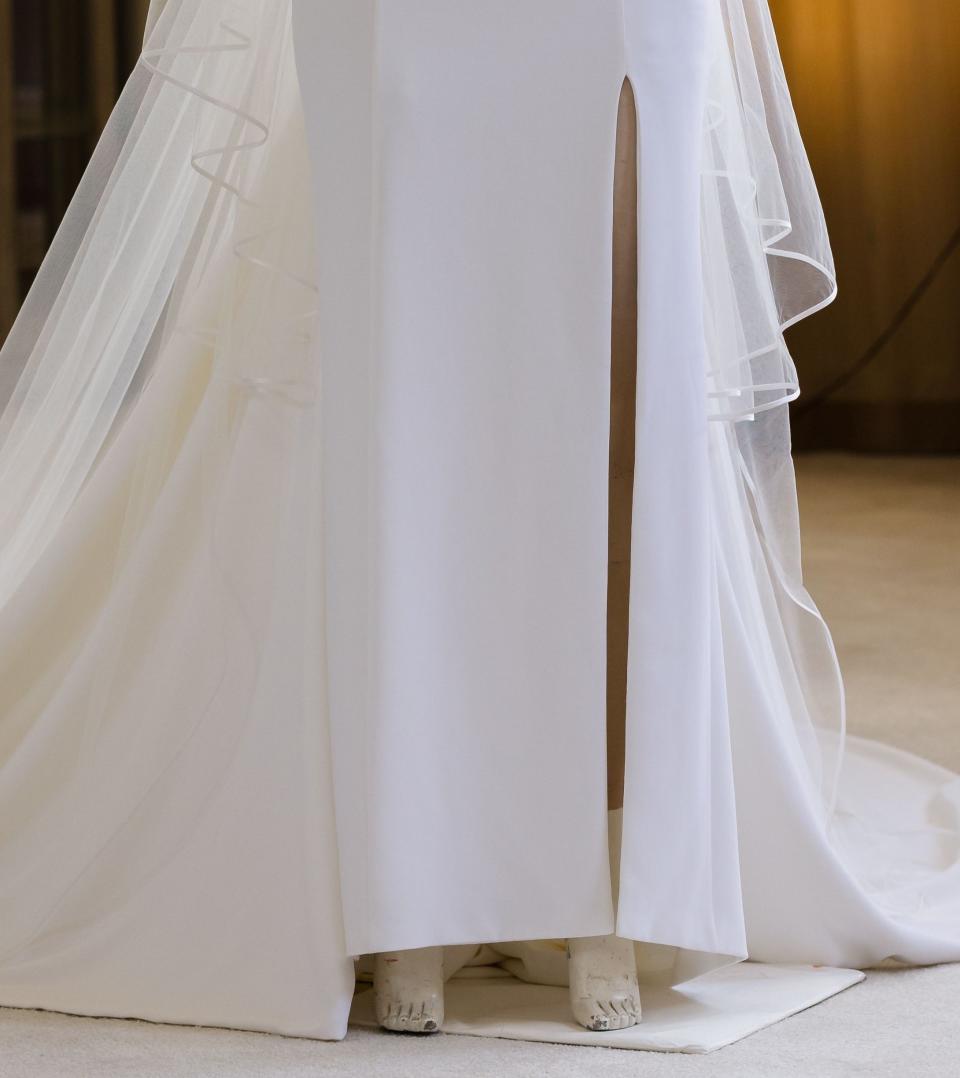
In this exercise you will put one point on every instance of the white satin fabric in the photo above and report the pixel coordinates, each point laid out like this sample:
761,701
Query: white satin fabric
303,510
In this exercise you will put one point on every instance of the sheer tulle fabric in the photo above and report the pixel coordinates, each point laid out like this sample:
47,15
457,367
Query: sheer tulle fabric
767,264
170,214
148,242
143,232
159,454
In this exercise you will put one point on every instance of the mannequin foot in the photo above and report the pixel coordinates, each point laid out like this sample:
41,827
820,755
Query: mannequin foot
408,987
603,982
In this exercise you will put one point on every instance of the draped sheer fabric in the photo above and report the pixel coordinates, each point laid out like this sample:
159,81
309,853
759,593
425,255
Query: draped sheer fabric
162,739
164,748
767,265
168,223
170,210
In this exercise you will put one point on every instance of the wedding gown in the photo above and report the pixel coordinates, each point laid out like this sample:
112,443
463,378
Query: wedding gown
303,524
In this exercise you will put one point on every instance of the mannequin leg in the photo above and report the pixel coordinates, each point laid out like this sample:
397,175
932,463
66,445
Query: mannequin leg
409,990
603,973
623,408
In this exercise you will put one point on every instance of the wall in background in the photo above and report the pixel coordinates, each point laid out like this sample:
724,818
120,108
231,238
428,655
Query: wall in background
133,15
62,64
876,84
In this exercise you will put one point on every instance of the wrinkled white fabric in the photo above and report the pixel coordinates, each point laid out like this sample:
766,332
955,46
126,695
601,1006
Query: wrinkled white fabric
303,524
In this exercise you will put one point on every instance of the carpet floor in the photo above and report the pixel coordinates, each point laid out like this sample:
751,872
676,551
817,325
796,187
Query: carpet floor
882,549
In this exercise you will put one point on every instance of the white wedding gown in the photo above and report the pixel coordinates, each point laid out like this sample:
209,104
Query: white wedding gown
303,484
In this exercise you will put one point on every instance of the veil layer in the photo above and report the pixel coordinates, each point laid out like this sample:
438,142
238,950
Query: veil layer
161,602
767,265
168,238
165,225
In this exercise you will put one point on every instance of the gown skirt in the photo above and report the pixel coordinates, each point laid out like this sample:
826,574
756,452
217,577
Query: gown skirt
304,559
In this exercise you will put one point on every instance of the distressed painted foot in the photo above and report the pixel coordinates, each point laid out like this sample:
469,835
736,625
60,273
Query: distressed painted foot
408,987
603,983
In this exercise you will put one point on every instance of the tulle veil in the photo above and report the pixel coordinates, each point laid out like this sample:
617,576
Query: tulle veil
178,248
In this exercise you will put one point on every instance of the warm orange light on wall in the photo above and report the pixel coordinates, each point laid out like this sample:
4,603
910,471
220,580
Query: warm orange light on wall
876,84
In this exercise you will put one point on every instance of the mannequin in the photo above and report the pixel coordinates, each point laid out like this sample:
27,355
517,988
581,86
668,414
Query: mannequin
604,994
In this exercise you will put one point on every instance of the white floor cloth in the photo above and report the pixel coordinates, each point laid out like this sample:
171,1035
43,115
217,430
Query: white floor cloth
303,476
711,1012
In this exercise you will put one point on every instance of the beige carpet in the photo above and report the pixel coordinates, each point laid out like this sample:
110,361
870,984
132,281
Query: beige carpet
883,558
882,555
